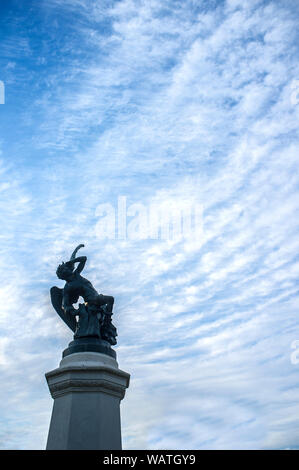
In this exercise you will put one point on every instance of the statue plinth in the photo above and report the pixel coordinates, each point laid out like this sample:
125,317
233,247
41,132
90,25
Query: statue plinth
89,344
87,388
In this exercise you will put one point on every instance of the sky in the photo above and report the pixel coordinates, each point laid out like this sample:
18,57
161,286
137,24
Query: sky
172,105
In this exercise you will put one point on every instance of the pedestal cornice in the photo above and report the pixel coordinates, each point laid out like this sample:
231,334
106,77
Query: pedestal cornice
78,375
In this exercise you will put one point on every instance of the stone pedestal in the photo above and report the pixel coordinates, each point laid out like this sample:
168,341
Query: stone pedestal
87,388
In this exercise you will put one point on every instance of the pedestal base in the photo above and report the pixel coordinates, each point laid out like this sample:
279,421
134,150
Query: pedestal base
87,388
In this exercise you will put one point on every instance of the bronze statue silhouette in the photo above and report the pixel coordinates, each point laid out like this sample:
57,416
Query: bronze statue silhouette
94,315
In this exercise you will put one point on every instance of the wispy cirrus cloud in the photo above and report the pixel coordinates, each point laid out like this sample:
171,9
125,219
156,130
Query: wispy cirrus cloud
159,102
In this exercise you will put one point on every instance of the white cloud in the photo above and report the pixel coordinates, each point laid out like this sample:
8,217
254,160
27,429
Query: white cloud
174,105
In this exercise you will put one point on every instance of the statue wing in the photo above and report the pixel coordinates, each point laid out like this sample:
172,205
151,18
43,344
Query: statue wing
56,299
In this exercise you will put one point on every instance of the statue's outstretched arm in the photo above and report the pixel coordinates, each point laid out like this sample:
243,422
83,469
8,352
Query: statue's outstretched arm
75,251
81,260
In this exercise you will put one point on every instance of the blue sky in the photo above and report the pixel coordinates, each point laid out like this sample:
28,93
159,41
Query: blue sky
170,103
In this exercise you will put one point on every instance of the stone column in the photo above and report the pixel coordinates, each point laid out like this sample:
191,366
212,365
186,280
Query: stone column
87,388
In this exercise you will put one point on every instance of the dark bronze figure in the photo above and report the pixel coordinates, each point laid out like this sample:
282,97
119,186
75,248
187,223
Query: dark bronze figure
94,315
